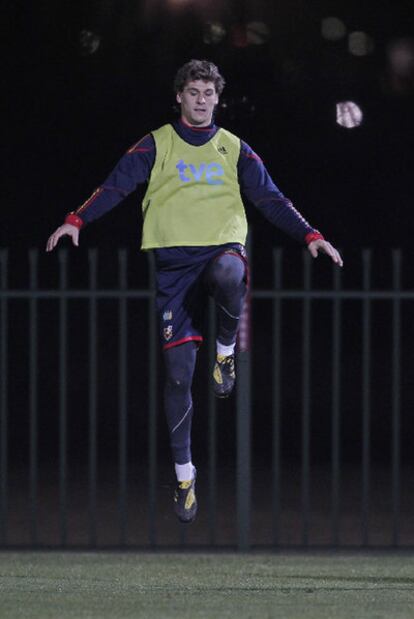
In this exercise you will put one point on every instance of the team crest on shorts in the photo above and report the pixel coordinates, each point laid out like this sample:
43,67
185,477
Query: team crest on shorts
167,315
168,331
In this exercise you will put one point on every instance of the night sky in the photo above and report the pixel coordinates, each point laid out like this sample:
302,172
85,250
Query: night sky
73,112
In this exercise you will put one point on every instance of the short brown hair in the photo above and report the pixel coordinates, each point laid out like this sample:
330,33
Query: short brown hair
199,70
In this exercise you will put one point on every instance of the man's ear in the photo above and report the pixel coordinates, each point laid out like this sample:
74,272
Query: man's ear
178,97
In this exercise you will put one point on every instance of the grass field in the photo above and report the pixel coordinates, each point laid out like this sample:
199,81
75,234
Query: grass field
292,585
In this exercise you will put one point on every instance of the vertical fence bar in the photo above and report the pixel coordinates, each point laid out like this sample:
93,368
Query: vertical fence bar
243,403
306,405
396,398
243,450
336,411
277,384
153,405
366,398
4,387
33,407
123,391
93,376
212,429
63,384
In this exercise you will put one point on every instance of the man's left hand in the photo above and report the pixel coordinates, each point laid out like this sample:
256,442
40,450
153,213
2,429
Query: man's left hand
321,245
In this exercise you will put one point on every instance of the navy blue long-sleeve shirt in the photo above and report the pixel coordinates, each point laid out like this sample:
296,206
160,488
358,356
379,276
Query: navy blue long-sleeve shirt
256,185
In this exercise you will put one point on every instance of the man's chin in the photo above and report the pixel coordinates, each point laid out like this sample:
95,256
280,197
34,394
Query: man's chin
200,122
197,121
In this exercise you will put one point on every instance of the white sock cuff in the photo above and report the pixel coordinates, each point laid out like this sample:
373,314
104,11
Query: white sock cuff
184,472
226,351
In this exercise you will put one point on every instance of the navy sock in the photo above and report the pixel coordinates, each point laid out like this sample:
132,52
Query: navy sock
226,279
179,364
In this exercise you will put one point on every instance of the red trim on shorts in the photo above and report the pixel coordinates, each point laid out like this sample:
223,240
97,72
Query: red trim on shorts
190,338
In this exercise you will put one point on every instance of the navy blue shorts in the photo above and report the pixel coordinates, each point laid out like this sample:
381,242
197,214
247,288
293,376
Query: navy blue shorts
182,291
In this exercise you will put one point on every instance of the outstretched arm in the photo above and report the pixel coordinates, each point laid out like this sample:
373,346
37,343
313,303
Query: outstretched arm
132,169
260,189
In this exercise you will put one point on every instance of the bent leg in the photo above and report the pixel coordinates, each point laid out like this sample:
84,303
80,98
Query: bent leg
226,279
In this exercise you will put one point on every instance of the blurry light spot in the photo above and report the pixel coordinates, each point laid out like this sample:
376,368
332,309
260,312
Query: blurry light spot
88,42
401,57
360,43
214,32
348,114
333,29
257,33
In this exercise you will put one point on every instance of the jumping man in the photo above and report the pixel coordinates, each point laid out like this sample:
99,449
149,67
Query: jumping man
194,221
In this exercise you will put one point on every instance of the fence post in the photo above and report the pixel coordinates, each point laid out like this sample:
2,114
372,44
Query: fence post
306,403
93,377
33,357
366,396
63,386
277,393
153,406
244,426
336,408
212,426
4,401
396,397
123,391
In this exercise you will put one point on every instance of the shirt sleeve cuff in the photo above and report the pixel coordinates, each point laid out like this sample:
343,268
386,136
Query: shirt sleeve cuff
74,220
313,236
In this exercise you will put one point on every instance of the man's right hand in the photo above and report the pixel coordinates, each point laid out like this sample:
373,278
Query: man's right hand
65,230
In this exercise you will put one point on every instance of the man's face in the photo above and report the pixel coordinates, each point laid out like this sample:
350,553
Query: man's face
197,101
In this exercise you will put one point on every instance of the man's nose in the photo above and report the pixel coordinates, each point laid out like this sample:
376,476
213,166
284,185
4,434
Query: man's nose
201,98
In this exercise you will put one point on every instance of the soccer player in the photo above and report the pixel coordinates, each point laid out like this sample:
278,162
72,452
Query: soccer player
194,221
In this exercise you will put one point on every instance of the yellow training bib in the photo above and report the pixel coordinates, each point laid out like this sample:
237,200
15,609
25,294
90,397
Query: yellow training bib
193,195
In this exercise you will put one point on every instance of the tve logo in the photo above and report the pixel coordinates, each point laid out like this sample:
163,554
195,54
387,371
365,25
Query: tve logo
190,172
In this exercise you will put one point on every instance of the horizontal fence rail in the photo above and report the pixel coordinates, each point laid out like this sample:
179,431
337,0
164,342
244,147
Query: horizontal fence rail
293,499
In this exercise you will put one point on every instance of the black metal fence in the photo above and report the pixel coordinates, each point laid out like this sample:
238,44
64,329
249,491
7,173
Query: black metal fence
314,449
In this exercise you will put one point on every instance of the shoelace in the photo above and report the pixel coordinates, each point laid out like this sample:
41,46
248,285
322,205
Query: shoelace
229,361
184,485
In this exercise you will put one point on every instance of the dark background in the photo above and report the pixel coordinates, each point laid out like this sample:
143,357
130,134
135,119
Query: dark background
70,114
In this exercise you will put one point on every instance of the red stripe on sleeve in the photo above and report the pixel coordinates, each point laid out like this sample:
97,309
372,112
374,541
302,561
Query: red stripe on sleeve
138,150
135,149
252,156
89,201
